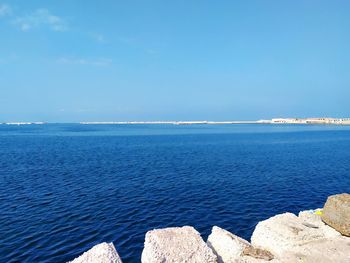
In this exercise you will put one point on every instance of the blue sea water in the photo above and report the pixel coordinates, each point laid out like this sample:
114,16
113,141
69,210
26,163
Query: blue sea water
66,187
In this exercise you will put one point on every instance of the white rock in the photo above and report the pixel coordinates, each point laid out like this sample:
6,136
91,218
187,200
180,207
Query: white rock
301,239
230,248
101,253
335,250
176,244
310,219
282,232
227,246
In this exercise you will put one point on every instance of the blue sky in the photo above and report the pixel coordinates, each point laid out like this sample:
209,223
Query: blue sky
73,60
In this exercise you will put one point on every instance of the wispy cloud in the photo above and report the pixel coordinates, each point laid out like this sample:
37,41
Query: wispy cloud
127,40
41,17
98,38
151,51
5,10
84,61
9,58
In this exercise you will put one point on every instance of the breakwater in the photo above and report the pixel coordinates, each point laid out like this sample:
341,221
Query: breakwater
321,235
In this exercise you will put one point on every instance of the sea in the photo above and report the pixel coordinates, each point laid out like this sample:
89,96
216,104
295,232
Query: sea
67,187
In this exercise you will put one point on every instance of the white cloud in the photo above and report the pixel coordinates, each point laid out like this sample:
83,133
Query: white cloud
41,17
83,61
5,10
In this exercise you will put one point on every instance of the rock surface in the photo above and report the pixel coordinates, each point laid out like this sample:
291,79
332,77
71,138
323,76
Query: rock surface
230,248
258,253
335,250
176,244
301,239
312,219
101,253
336,213
283,232
227,246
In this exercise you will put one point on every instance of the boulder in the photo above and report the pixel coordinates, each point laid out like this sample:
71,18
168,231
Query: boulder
282,232
101,253
176,244
336,213
227,246
230,248
335,250
312,218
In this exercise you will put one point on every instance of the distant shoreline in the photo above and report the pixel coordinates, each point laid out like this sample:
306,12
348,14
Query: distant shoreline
342,121
327,121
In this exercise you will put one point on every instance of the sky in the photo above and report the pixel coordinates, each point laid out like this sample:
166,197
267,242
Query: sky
85,60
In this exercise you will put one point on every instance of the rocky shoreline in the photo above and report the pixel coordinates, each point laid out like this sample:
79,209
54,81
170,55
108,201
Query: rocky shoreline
321,235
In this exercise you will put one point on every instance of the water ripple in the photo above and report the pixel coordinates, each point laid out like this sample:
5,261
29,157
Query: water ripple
65,189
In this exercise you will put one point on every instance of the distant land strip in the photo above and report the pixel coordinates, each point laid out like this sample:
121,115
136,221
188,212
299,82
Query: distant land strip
335,121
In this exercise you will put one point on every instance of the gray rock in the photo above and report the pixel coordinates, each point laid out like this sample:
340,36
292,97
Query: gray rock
176,244
336,213
101,253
